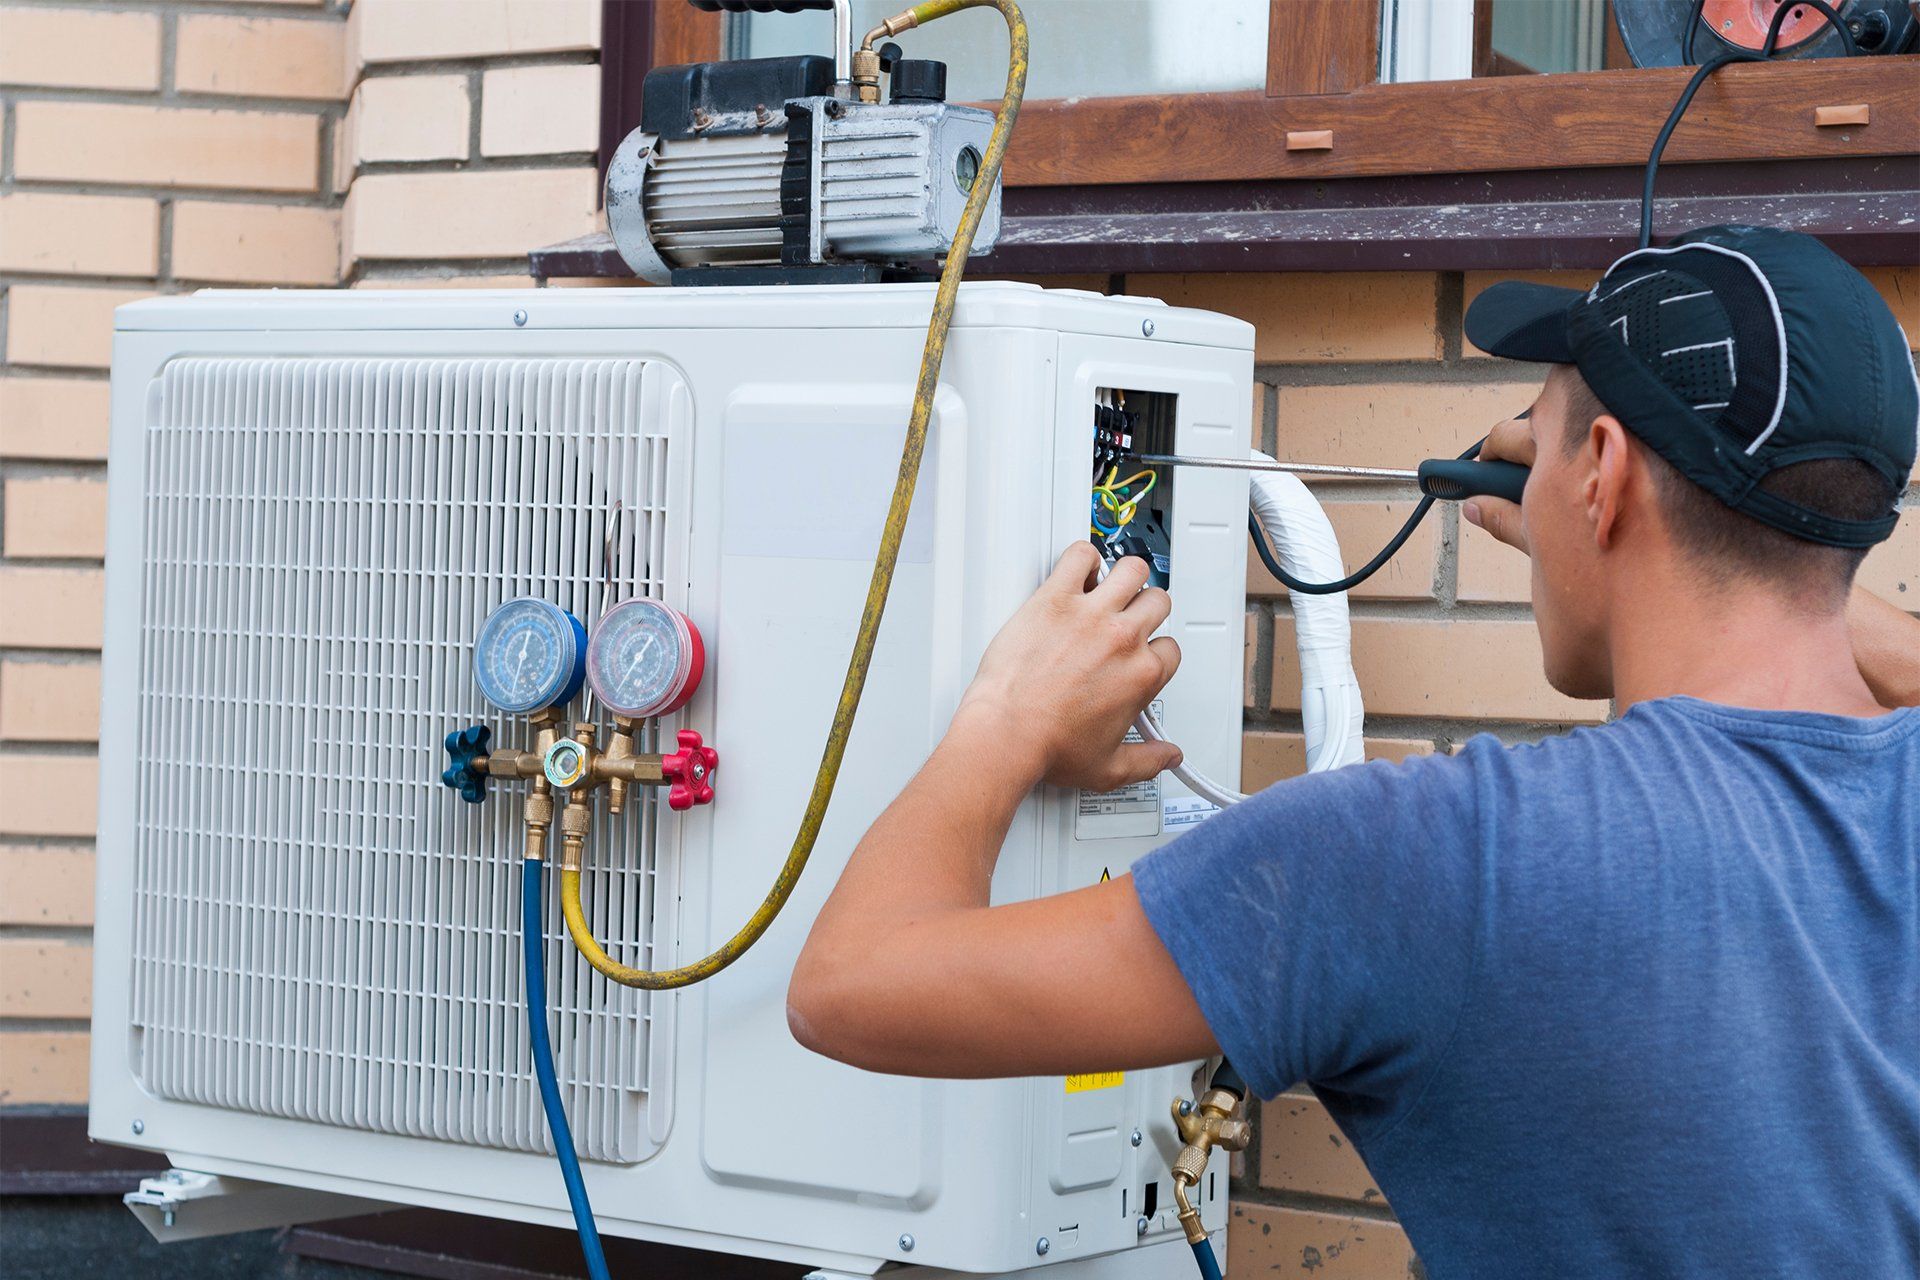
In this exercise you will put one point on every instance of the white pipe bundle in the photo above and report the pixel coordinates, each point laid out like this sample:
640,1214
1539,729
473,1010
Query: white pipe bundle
1330,704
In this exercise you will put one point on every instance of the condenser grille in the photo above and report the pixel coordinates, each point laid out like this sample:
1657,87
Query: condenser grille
322,931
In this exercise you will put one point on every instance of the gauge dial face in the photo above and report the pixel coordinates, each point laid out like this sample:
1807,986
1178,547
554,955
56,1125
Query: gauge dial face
645,659
528,655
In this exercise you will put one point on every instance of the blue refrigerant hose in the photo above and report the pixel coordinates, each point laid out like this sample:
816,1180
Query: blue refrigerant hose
1209,1265
533,940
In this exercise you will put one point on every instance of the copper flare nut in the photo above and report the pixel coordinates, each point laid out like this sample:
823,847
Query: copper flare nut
1203,1126
539,815
575,821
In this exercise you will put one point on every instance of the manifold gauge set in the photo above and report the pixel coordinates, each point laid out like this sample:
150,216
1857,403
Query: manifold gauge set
645,659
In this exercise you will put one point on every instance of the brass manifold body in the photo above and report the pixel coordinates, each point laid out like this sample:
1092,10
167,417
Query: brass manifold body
1203,1125
581,767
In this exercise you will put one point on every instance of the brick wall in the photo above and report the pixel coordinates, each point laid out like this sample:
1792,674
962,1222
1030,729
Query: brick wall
469,138
162,145
144,148
1373,370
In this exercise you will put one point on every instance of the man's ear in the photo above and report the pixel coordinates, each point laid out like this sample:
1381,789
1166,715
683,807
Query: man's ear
1609,456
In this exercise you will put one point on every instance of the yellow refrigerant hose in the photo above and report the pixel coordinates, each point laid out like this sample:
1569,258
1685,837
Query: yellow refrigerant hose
884,562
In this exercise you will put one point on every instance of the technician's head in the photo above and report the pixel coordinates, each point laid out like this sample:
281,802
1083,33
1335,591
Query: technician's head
1737,409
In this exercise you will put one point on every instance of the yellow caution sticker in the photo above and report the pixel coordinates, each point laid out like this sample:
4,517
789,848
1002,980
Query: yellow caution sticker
1096,1080
1106,874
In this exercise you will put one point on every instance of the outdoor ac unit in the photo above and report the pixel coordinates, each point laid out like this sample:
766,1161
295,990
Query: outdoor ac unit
307,947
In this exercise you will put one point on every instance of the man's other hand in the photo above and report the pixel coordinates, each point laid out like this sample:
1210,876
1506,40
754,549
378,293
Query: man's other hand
1510,441
1062,682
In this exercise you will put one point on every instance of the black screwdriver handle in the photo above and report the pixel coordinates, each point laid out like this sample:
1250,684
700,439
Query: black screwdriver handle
1455,479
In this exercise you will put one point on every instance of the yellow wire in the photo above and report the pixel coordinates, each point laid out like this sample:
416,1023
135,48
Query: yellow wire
884,561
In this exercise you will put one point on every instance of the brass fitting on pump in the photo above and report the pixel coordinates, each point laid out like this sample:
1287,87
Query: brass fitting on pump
866,62
1203,1125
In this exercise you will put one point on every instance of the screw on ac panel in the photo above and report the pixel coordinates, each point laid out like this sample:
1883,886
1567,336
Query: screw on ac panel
1140,1225
1146,328
1135,1138
906,1242
139,1127
519,317
1041,1246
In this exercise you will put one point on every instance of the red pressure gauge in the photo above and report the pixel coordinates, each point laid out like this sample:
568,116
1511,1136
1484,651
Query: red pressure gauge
645,659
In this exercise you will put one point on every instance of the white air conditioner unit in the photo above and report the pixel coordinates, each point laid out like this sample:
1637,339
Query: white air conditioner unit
308,972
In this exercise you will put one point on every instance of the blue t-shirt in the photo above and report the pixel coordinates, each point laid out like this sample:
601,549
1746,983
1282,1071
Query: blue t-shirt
1639,1001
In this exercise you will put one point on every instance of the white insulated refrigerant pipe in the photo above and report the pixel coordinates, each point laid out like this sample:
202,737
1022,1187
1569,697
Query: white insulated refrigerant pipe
1331,709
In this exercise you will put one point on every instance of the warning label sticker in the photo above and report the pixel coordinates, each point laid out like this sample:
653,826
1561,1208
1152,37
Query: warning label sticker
1096,1080
1185,811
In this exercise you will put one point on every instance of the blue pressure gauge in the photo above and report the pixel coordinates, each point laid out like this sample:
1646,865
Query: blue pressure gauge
531,654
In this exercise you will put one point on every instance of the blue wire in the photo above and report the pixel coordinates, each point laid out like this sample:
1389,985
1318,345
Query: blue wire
1209,1265
533,939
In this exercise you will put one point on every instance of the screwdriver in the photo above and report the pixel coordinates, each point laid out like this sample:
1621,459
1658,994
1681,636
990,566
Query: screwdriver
1448,479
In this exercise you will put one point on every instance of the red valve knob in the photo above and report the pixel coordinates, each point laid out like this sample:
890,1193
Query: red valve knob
691,770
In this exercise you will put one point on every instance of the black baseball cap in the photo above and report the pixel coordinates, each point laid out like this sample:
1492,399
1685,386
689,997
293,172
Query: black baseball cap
1732,352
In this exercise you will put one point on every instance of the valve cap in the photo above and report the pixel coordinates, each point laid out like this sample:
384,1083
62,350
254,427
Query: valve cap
464,746
691,770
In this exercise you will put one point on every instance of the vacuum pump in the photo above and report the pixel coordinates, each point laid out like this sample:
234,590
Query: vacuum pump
792,170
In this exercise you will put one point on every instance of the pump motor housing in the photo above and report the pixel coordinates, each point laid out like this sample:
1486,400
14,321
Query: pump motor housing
757,168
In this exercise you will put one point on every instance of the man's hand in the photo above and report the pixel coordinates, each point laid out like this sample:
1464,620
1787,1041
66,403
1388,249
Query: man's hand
1068,673
1510,441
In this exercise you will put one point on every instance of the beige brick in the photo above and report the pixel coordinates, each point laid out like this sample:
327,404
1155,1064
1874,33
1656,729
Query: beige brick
46,886
1892,569
51,979
1301,1149
1363,528
498,214
415,30
1266,757
1277,1243
1311,317
50,608
410,118
1392,424
261,57
1478,670
53,418
54,325
79,235
49,701
1491,570
255,244
77,48
48,795
1477,282
530,111
61,517
1900,286
166,146
43,1067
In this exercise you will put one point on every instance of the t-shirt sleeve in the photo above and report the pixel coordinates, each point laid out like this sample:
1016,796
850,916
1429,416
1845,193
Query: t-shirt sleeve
1326,925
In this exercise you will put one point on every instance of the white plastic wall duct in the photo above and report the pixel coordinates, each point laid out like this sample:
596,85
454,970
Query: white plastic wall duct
1331,708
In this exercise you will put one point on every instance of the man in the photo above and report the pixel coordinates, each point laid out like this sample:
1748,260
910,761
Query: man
1639,1000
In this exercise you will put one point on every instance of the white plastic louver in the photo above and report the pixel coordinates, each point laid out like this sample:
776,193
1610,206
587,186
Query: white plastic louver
323,538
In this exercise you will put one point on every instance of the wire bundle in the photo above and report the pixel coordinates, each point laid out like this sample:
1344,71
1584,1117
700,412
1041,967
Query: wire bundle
1120,501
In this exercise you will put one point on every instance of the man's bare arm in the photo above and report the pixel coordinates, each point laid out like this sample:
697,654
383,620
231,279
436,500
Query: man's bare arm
909,970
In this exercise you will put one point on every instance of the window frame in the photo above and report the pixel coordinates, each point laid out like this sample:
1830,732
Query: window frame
1324,113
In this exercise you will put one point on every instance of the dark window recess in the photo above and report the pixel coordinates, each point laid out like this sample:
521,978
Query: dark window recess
1151,1200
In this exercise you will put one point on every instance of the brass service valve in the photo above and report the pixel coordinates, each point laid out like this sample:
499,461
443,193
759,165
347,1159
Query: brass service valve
1203,1125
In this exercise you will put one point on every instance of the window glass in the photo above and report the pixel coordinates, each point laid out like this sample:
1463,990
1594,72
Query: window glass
1081,48
1550,35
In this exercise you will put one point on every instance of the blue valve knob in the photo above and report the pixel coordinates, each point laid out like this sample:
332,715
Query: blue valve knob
464,746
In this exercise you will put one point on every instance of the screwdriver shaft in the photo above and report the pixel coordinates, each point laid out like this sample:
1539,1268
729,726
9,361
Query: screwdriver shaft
1294,468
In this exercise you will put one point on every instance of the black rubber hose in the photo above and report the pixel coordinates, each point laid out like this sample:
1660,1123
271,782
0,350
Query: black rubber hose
1366,570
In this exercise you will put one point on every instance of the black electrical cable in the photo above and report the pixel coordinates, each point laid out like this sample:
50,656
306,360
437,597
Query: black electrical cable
1707,69
1366,570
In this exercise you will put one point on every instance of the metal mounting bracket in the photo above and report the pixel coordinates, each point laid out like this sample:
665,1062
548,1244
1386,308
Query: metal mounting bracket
182,1205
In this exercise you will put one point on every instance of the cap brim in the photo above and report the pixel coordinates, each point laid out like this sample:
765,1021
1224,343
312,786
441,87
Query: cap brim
1523,321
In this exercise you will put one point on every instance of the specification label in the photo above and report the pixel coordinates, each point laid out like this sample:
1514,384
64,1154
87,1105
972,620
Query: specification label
1131,811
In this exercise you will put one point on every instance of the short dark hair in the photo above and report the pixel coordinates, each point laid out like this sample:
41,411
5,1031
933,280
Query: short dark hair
1732,546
